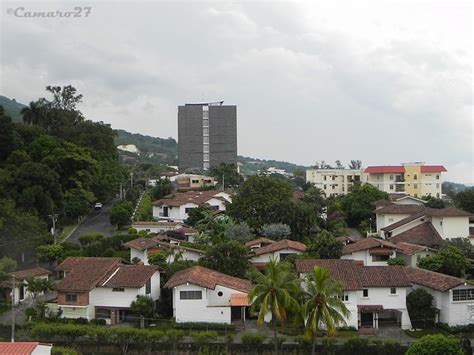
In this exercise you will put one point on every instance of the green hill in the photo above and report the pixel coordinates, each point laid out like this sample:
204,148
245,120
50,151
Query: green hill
12,108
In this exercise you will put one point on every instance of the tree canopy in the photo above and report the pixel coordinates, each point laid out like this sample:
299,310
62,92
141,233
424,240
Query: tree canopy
229,257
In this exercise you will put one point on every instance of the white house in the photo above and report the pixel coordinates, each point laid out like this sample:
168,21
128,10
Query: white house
278,250
370,251
177,206
103,288
374,295
143,248
20,290
412,253
204,295
453,297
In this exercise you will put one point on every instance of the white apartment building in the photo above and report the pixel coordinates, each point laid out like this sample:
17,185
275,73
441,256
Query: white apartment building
333,182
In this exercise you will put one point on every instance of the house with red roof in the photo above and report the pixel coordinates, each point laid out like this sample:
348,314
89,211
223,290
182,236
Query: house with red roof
370,251
176,207
278,250
99,287
205,295
20,287
25,348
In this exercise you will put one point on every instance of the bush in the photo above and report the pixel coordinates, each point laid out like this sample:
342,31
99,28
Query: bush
90,238
420,308
252,339
204,326
435,345
81,320
392,347
204,337
304,340
62,350
396,261
98,321
132,231
356,345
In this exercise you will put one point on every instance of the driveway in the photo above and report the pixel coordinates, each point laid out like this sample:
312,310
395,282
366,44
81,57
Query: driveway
96,221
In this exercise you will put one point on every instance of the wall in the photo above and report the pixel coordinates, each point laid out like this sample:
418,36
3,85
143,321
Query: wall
142,255
265,258
384,220
82,298
190,137
412,260
77,312
216,202
222,134
198,310
366,258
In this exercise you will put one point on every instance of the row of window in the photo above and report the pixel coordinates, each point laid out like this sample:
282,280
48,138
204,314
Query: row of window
72,297
365,293
463,295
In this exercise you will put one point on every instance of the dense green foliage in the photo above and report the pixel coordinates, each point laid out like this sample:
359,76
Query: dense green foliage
162,188
325,246
121,213
450,260
420,308
451,189
435,345
145,209
465,200
228,174
230,258
396,261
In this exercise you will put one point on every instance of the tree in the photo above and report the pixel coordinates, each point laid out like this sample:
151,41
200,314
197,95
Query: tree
433,202
38,285
357,205
197,214
420,308
64,98
275,293
436,344
257,199
34,114
355,164
230,258
396,261
323,305
163,188
450,260
240,232
7,264
465,200
226,173
121,213
276,231
143,306
339,164
50,253
325,246
463,244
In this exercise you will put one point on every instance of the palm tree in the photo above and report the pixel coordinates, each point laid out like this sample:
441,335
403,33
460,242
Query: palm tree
274,292
323,307
34,113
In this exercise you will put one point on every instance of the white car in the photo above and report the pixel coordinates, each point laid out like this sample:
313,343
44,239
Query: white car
98,206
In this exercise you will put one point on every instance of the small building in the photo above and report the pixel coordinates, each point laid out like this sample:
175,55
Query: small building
104,288
21,292
25,348
334,182
412,253
374,295
278,250
193,182
177,206
204,295
370,251
142,248
453,296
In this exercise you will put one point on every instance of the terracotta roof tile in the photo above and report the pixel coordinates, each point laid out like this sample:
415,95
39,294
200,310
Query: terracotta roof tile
280,245
431,279
19,348
448,212
157,223
432,169
410,249
367,244
23,274
384,276
399,209
385,169
130,276
208,278
423,234
142,243
261,240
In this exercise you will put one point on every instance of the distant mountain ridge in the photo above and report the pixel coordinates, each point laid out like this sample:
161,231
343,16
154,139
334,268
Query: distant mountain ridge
157,150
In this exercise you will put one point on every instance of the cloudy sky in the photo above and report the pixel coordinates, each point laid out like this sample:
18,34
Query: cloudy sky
381,81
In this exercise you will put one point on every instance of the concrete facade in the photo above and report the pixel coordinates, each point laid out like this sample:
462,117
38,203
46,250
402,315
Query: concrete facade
207,136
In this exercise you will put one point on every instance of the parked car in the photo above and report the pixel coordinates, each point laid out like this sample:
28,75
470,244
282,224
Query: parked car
98,206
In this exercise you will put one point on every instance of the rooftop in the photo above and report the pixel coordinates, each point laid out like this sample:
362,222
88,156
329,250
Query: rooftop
431,279
196,197
280,245
368,244
423,234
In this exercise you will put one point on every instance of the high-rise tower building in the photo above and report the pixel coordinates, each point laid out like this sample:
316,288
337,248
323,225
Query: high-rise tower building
207,135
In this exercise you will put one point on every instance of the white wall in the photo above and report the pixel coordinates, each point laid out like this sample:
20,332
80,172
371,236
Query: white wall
140,254
265,258
384,220
78,312
412,260
452,227
366,258
42,349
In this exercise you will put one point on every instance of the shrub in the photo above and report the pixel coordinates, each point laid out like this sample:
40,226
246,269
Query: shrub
98,321
204,337
81,320
204,326
304,340
392,347
396,261
62,350
279,340
420,308
132,231
356,345
90,238
435,345
174,336
252,339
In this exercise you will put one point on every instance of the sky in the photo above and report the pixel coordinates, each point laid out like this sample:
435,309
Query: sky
382,81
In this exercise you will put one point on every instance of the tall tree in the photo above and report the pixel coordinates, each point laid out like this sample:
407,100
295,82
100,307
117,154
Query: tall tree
35,113
323,306
274,293
450,260
465,200
358,206
325,246
355,164
227,174
230,258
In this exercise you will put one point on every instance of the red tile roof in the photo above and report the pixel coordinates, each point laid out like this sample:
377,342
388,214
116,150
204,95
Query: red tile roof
130,276
384,169
196,197
396,196
280,245
410,249
399,209
23,274
403,221
143,243
261,240
431,279
368,244
433,169
355,276
423,234
448,212
19,348
83,274
204,277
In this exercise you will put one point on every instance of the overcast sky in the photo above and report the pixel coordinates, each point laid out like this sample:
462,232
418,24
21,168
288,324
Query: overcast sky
382,81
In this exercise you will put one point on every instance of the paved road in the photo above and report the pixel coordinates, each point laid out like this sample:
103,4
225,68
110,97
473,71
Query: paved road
96,221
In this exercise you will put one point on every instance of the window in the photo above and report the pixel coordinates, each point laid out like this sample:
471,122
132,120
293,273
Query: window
190,295
440,223
206,157
463,295
415,186
437,177
334,177
219,293
195,181
393,290
324,187
148,287
71,297
437,186
205,148
391,177
380,257
415,177
437,194
188,209
205,140
205,108
102,313
365,292
391,187
118,289
324,177
283,256
344,296
205,131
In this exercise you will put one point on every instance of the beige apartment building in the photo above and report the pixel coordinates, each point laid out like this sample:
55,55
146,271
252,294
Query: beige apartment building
333,182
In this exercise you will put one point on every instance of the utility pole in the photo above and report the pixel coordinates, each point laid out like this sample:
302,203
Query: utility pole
13,310
223,182
54,218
